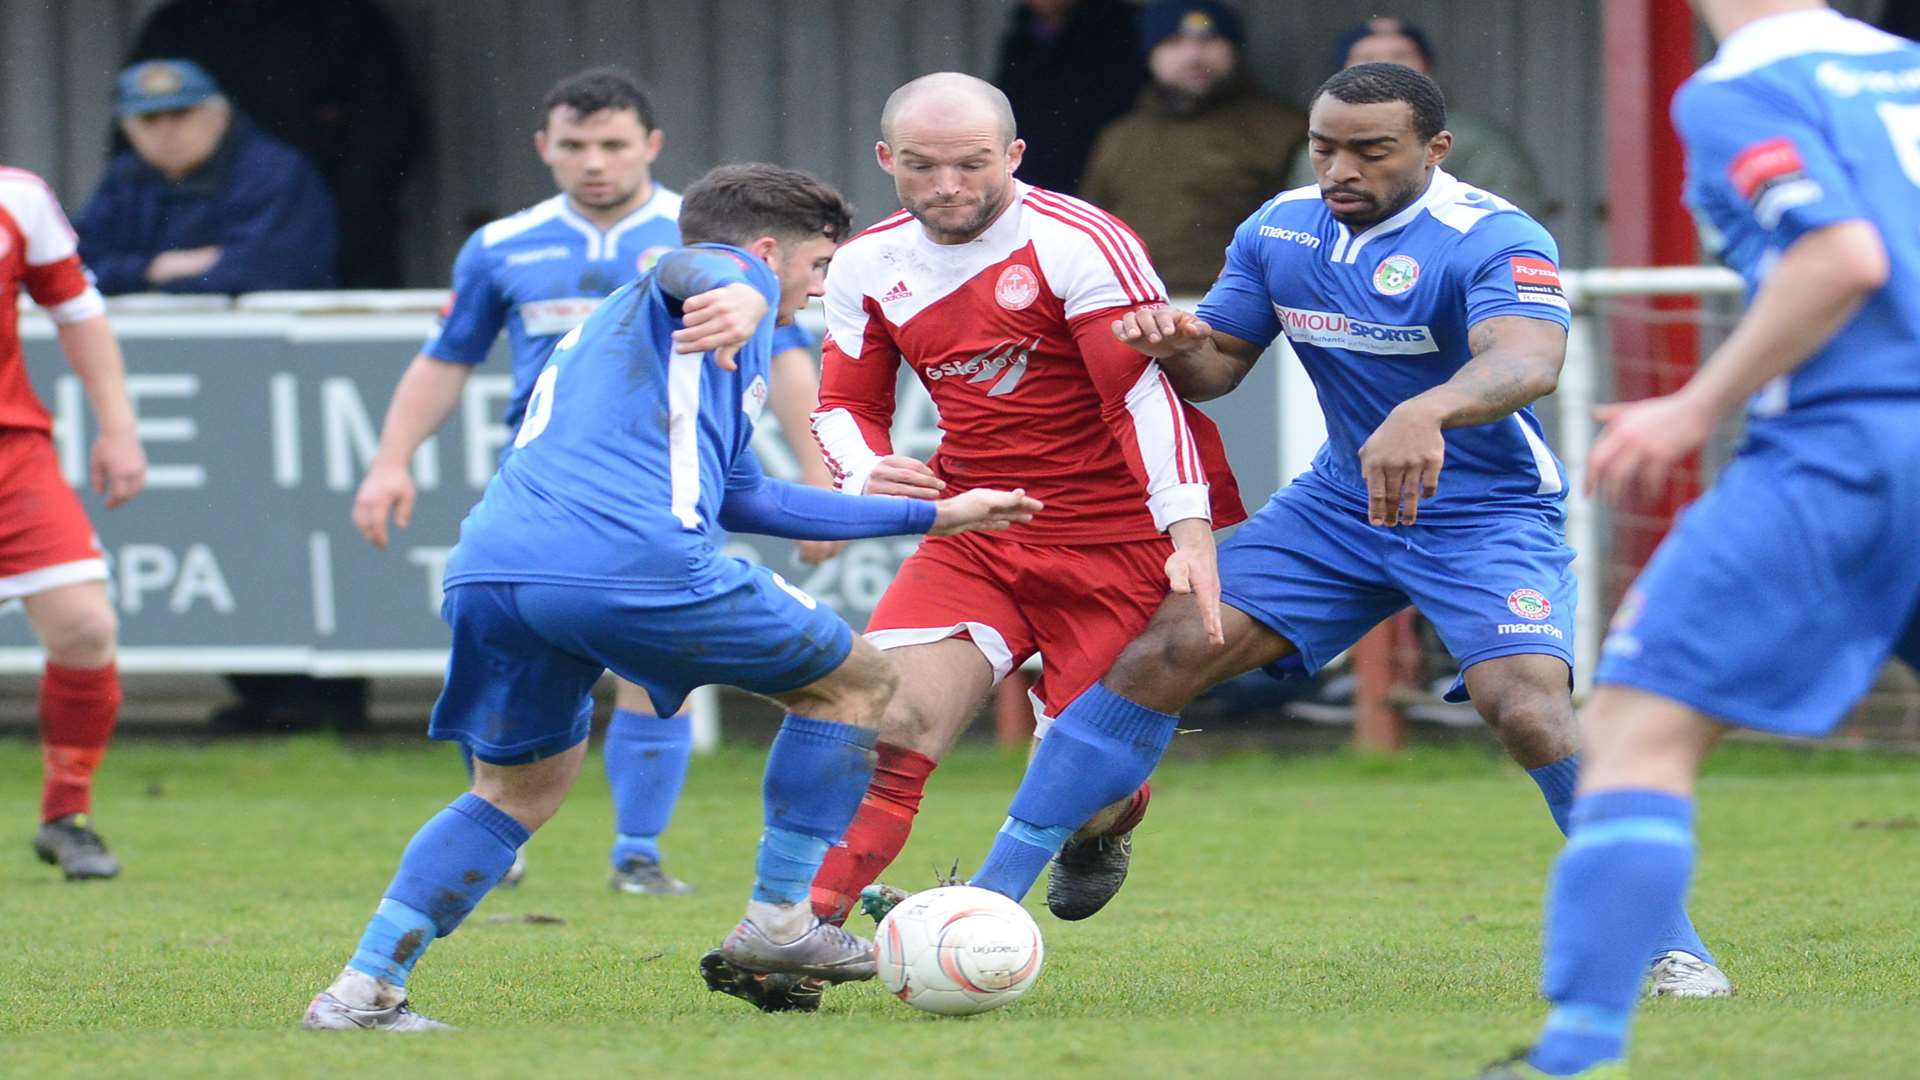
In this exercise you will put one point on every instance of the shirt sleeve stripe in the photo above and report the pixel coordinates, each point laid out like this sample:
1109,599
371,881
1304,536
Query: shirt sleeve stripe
1125,282
1123,238
1137,291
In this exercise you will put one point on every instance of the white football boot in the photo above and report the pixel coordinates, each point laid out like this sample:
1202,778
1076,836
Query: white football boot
1684,975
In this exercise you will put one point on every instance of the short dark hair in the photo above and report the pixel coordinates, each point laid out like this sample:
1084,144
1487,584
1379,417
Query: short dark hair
1372,84
738,204
594,89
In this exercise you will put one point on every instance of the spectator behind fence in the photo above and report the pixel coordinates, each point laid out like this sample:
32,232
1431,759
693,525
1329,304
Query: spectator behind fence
1483,154
1200,151
203,203
332,80
1067,67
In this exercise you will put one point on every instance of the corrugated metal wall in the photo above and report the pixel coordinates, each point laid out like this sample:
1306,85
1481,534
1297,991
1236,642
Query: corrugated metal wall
797,81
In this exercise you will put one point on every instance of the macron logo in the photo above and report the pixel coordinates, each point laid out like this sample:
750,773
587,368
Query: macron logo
1305,239
898,292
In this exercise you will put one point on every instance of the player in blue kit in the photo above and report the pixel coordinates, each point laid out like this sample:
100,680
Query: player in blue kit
1780,593
539,274
1429,315
595,548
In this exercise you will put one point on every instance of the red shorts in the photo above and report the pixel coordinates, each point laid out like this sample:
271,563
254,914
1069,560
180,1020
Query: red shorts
1076,605
45,539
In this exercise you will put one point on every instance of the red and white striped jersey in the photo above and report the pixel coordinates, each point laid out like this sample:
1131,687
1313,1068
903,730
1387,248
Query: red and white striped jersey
37,249
1011,335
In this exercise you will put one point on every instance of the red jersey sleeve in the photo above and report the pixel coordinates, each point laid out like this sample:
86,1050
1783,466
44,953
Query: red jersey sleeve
53,275
859,363
1099,269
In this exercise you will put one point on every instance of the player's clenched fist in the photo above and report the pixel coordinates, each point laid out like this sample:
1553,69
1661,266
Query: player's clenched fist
720,321
982,510
386,488
1162,331
909,477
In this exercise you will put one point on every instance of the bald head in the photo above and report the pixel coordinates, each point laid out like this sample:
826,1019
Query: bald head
947,101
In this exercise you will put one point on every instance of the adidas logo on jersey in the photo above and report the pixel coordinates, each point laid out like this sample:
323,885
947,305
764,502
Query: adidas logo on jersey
898,292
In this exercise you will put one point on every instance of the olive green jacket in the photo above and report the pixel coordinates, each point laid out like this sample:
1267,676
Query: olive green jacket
1184,180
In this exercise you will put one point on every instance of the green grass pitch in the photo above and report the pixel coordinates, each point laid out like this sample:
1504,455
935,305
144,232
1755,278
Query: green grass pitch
1303,916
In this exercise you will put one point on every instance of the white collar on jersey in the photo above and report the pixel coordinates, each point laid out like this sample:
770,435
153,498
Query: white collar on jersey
1442,188
1003,229
605,245
1795,33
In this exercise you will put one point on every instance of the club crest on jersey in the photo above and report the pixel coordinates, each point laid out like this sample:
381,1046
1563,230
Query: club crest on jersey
6,244
1529,604
1017,287
755,398
1396,274
650,257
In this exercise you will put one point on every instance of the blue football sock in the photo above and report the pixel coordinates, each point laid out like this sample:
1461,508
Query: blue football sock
817,773
455,858
1626,864
646,758
1100,750
784,867
395,938
1556,781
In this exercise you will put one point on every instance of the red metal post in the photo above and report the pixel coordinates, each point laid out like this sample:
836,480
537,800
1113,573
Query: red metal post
1650,50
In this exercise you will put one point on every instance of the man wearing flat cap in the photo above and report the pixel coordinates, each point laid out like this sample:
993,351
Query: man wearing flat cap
203,202
1201,149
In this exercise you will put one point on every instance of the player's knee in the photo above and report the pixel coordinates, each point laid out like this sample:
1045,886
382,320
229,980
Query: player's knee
1165,659
1530,707
1533,721
83,636
856,693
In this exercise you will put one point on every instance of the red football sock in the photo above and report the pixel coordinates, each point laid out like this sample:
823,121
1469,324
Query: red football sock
1136,810
877,834
77,710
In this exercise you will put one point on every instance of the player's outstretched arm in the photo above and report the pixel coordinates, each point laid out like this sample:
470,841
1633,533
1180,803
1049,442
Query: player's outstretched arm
428,393
1516,359
983,510
757,503
117,467
1201,362
1815,288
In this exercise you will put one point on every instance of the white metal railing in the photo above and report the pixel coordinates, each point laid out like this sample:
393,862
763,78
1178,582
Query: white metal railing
1583,384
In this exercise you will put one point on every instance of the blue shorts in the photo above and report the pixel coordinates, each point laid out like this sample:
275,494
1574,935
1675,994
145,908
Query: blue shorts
1320,576
525,656
1778,596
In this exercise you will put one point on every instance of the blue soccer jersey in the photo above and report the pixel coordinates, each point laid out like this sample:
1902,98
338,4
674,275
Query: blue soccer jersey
1813,120
541,272
1380,316
1778,595
620,465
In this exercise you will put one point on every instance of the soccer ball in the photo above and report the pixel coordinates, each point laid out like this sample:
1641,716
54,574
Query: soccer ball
958,950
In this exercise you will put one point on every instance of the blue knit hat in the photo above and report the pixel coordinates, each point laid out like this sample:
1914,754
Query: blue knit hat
1162,20
1380,24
